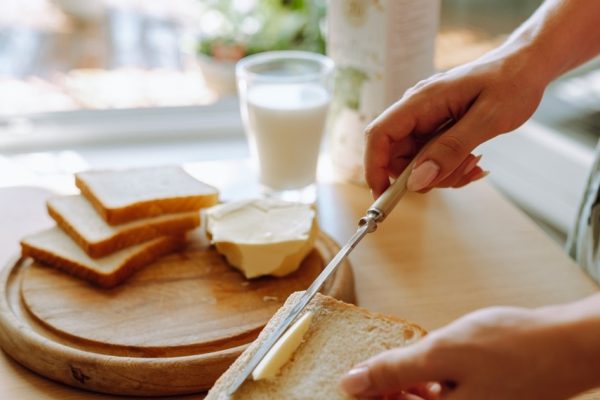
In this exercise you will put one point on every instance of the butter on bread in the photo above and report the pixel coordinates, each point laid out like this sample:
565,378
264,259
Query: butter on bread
78,218
263,236
55,248
283,350
340,336
122,196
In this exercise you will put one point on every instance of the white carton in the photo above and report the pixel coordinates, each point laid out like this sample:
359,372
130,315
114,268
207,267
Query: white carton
381,48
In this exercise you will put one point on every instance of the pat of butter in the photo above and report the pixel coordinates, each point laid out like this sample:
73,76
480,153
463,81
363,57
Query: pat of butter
283,349
263,236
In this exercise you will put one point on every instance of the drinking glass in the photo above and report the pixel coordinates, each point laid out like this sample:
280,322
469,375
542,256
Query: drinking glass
284,100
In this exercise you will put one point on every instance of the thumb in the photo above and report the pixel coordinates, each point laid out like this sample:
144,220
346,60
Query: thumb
390,372
441,157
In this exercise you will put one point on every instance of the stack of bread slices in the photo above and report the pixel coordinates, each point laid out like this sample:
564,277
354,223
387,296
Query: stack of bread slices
121,221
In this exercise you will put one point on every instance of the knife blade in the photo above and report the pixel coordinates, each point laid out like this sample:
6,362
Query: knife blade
375,214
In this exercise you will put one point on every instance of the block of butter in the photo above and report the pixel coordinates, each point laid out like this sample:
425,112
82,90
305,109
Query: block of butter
263,236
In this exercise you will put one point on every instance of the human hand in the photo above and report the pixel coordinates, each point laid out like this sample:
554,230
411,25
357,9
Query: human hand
475,102
492,354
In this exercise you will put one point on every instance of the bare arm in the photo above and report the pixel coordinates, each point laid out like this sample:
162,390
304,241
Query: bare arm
562,34
483,99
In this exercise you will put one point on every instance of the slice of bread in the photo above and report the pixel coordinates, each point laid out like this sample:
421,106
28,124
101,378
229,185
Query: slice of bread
55,248
340,336
78,218
126,195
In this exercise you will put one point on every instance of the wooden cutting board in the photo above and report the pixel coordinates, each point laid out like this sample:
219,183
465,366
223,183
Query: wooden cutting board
172,328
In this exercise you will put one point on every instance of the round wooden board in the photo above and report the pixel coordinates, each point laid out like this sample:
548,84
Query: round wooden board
172,328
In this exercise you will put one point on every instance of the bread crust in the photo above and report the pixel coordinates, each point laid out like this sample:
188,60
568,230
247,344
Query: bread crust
154,249
146,208
129,237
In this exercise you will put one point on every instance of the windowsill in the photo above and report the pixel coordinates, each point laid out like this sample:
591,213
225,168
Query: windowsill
54,169
118,126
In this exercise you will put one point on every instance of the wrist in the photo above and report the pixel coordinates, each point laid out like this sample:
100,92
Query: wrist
576,328
558,37
528,60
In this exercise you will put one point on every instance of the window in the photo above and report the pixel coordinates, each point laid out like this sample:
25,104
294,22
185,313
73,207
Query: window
74,70
469,28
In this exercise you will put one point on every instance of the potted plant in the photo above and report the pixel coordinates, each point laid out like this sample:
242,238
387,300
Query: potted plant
233,29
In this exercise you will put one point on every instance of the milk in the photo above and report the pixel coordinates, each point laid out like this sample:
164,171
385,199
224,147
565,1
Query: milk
285,124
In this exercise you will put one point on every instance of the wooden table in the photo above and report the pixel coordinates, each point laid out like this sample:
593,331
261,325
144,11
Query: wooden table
435,258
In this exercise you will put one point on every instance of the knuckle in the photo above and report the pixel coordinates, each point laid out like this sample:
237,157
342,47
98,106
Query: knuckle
494,316
370,130
419,85
432,82
433,356
436,345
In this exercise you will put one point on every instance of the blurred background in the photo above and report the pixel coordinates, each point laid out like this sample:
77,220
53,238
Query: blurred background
93,83
59,55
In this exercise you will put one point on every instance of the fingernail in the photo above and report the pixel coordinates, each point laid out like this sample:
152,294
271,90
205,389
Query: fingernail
356,381
434,388
482,175
472,164
422,176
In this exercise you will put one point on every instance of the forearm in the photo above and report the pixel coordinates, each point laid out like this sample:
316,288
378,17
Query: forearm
559,36
578,327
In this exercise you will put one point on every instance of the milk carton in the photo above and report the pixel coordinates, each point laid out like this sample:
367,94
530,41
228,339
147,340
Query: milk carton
380,48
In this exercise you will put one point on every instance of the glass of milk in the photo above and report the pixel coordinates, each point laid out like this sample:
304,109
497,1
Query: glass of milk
284,99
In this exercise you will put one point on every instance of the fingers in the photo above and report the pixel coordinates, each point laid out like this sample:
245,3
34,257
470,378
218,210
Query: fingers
443,163
379,148
468,171
425,109
445,154
463,170
476,174
391,372
417,112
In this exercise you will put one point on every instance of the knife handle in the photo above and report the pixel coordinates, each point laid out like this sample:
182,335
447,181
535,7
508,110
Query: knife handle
385,203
